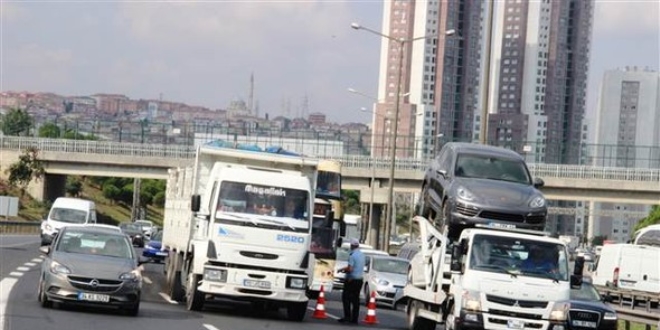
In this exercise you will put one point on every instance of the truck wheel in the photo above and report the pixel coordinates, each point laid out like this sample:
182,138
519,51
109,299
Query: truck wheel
312,294
174,279
296,311
194,297
415,322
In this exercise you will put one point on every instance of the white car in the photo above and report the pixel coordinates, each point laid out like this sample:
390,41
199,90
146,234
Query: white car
385,276
342,260
147,227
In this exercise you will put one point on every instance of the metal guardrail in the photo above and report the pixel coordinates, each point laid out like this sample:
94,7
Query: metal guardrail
349,161
626,301
20,227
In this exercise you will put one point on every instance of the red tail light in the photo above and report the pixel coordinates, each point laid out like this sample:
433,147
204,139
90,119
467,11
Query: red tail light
616,277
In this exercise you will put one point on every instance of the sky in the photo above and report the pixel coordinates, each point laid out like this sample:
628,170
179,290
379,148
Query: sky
203,52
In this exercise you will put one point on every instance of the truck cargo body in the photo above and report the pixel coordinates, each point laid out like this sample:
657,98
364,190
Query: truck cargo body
238,226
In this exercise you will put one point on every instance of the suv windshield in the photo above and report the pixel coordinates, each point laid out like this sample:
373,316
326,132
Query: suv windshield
517,256
492,168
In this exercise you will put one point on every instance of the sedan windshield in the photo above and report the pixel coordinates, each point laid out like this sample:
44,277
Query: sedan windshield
392,266
102,244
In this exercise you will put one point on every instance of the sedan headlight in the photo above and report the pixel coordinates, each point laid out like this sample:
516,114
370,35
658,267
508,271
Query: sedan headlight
57,268
134,276
559,311
537,202
382,282
471,301
610,316
464,194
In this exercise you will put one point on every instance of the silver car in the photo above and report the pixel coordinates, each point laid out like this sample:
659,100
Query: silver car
91,266
385,277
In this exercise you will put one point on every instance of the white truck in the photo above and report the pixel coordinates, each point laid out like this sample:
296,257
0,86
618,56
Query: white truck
238,225
492,285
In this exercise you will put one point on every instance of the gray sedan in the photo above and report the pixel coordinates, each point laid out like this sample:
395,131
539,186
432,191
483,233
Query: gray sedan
91,266
385,278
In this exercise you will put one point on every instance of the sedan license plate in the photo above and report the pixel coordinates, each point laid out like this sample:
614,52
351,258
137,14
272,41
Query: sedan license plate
93,297
585,324
515,324
257,284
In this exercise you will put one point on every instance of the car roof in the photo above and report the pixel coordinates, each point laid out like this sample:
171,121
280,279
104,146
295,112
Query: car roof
93,230
101,225
465,147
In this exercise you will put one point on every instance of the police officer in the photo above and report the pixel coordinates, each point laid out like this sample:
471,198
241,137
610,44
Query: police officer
350,296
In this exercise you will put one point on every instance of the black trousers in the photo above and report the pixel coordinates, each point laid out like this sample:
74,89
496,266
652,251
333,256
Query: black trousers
350,297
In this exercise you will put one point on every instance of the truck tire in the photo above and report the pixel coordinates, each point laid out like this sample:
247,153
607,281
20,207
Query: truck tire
194,297
176,291
415,322
296,311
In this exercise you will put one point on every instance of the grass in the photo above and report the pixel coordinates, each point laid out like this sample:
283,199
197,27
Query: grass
633,326
108,212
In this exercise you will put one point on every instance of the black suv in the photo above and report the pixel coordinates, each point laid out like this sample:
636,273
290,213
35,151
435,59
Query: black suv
469,184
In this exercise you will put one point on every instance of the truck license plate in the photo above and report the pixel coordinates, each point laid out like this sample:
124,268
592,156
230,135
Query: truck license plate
257,284
93,297
515,324
585,324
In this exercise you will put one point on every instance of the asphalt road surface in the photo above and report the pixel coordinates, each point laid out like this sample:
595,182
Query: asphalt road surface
20,264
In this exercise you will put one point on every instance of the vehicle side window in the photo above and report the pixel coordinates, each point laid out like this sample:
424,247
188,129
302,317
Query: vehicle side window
92,216
445,163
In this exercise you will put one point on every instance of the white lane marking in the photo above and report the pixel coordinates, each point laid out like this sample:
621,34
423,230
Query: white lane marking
328,314
30,264
17,274
5,288
168,298
22,269
210,327
37,260
146,280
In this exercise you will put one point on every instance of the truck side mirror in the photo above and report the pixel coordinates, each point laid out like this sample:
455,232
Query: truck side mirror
456,253
576,281
195,202
339,242
579,266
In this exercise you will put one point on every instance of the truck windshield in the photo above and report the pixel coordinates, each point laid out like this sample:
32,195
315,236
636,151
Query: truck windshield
517,256
273,201
68,215
328,184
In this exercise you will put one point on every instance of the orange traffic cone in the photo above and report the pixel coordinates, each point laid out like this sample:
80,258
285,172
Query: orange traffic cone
371,310
319,312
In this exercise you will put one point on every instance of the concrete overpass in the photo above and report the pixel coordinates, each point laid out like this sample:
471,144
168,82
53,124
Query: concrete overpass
115,159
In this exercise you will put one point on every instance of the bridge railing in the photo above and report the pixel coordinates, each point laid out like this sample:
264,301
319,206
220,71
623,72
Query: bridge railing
176,151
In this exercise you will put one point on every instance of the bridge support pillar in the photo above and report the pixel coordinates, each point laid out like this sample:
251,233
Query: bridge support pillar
54,186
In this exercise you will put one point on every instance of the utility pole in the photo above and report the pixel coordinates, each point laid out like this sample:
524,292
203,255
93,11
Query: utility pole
135,212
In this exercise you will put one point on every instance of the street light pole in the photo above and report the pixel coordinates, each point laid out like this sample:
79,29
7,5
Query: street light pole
483,128
390,191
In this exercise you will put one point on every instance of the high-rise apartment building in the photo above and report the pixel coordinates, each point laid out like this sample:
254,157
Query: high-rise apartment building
541,57
440,91
628,123
538,75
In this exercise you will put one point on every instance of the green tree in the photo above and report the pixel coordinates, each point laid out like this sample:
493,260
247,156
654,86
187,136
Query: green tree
73,186
49,130
159,199
652,219
598,240
28,168
16,122
351,202
111,192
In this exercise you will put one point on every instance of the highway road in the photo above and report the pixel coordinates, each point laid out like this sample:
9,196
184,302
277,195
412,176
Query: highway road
19,310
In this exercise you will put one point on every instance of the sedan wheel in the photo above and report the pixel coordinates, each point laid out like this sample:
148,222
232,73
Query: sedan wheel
43,298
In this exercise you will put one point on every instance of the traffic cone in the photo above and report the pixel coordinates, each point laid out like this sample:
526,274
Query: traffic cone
319,312
371,310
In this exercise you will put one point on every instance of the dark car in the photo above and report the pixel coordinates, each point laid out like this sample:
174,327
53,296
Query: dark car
154,249
134,232
469,184
91,266
589,311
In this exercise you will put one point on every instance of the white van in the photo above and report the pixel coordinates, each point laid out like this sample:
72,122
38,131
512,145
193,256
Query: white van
66,212
628,266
